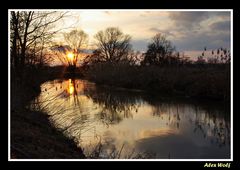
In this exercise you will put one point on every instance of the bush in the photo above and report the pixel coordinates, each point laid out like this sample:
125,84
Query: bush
210,81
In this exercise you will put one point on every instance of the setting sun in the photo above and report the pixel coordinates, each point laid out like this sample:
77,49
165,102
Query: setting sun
70,56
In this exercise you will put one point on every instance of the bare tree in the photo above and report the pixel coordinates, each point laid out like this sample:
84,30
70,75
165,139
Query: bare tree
31,32
112,45
76,40
159,51
60,53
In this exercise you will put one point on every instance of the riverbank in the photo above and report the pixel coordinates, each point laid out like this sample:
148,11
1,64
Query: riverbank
32,135
206,81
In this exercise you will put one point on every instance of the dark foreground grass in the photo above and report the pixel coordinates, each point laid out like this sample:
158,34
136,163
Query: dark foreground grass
32,134
33,137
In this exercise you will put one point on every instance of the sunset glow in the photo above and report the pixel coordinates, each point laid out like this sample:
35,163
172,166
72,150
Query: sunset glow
70,56
188,30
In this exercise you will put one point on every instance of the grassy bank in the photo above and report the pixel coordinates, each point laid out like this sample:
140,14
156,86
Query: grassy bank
206,81
32,135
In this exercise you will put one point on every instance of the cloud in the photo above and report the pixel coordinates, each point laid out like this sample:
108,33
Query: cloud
188,19
165,32
197,41
187,30
212,35
222,26
221,14
195,30
107,12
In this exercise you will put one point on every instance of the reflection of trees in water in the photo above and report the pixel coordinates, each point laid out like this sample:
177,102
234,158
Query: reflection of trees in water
173,112
76,120
70,113
115,104
210,120
62,100
212,124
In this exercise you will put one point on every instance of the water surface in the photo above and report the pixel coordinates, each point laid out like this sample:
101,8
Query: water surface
134,122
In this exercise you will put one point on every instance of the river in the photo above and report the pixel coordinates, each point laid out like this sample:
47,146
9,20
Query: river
128,122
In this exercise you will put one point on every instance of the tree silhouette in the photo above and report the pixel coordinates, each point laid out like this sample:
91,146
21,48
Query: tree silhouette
76,40
112,45
159,51
31,34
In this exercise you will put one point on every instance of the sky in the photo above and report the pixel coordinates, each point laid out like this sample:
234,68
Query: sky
189,31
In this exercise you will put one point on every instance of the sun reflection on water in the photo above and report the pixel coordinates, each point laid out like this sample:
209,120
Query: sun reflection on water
91,114
70,87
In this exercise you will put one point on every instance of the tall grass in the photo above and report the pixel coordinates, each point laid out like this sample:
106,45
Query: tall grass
32,134
205,81
101,151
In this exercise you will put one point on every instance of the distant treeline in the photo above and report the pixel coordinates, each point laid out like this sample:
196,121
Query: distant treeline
211,81
161,70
